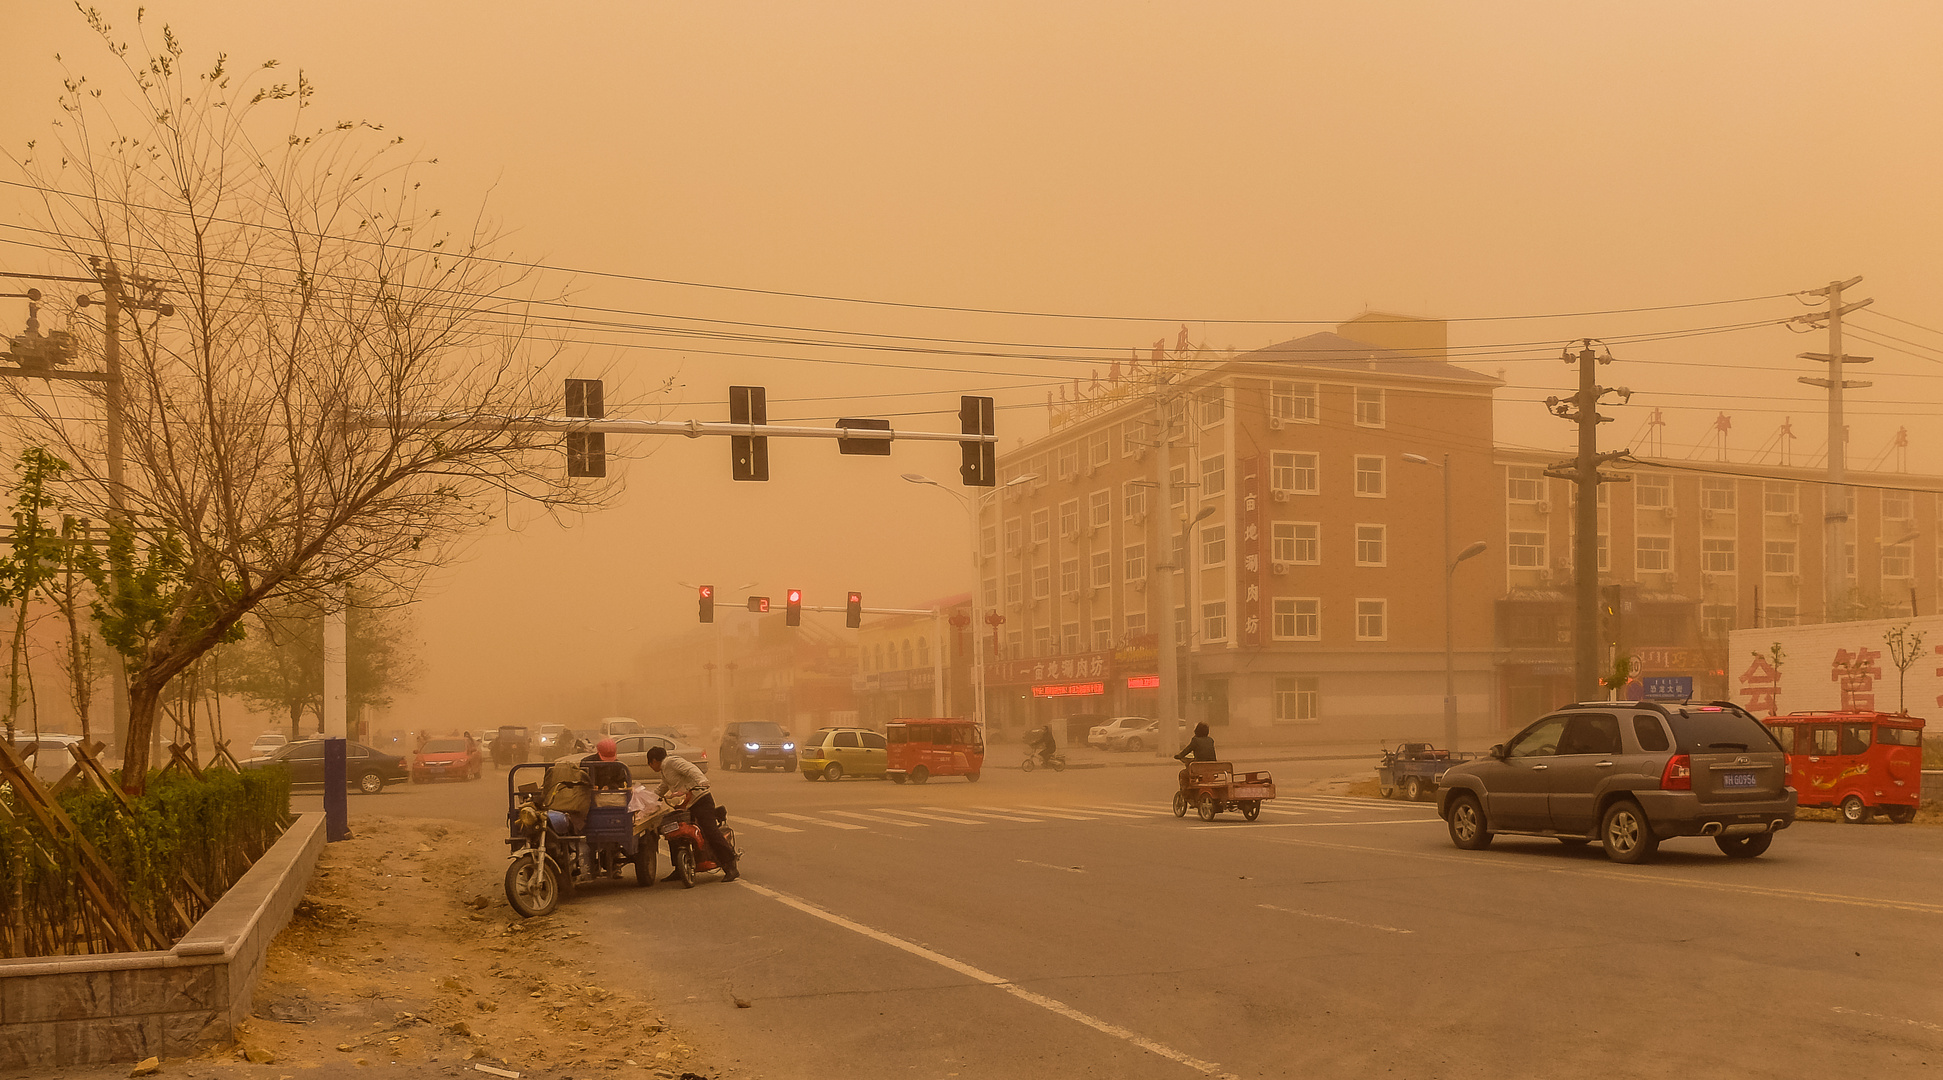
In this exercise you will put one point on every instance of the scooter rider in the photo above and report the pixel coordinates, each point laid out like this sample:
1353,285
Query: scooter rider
1043,743
679,777
1200,748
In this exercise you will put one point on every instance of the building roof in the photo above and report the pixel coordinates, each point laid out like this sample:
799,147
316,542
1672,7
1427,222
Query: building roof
1324,349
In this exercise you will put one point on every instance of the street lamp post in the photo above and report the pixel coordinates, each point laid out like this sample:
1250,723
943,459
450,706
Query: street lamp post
973,514
1187,601
1450,572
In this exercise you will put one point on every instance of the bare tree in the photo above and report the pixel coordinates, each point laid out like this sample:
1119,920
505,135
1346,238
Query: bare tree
335,396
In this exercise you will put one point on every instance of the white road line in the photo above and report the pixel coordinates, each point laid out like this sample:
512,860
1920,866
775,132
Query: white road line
1049,866
994,981
1084,810
1323,824
980,814
1333,918
930,817
1145,808
760,824
1041,812
819,821
881,820
1308,807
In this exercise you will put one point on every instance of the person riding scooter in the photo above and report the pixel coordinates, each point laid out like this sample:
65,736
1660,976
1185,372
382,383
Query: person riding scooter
1200,748
683,785
1041,741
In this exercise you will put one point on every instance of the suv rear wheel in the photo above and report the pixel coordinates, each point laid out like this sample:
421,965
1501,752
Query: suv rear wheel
1627,835
1467,823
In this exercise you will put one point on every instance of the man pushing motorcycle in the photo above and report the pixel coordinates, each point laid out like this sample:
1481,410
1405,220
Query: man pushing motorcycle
683,785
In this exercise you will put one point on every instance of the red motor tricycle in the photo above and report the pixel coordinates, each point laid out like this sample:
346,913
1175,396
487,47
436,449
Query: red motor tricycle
1213,786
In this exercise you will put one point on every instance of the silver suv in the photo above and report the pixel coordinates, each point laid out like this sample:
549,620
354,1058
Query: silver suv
1628,774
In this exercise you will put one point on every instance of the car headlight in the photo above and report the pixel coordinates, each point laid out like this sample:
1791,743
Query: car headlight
750,746
789,746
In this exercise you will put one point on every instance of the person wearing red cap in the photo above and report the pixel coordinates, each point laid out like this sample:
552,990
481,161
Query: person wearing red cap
604,769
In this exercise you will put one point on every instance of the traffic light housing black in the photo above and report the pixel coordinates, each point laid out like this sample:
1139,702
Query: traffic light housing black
793,608
979,467
748,454
853,612
586,450
1611,603
708,602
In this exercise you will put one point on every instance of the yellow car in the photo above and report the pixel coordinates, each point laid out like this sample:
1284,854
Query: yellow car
834,753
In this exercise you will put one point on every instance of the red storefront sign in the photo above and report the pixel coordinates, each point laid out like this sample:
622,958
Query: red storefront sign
1078,689
1144,682
1093,665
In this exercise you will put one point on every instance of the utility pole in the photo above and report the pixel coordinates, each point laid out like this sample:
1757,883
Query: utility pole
1161,537
1582,408
1835,504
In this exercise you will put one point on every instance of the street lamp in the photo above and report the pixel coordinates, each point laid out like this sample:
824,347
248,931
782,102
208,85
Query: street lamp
1450,571
1187,639
973,508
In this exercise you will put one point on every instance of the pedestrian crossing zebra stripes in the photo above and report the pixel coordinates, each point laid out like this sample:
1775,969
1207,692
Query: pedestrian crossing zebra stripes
1290,809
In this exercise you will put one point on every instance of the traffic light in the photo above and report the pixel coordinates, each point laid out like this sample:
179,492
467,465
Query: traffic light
979,467
586,450
793,608
853,614
748,454
1611,601
759,604
708,603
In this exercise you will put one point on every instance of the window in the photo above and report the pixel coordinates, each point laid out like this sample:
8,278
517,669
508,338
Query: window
1214,620
1099,509
1294,402
1102,635
1653,491
1012,534
1295,542
1015,644
1069,518
1133,438
1069,638
1779,498
1180,625
1133,501
1213,406
924,652
1177,476
1014,589
1371,624
1898,506
1293,472
1037,467
1069,461
846,739
1102,569
1524,483
991,593
1369,406
1369,545
1134,558
1369,476
1069,576
1780,557
1525,550
1717,619
1716,493
1898,561
1214,545
1779,616
1214,476
1099,449
1041,525
1298,699
872,740
988,540
1653,553
1604,564
1042,641
1042,581
1136,624
1297,618
1717,556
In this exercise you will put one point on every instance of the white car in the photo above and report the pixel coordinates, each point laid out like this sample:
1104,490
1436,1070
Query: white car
1134,740
267,744
1101,736
50,760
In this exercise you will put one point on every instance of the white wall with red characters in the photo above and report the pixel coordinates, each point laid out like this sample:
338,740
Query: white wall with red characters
1830,666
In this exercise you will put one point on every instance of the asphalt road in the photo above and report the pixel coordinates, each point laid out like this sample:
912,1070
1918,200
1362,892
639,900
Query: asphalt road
1067,925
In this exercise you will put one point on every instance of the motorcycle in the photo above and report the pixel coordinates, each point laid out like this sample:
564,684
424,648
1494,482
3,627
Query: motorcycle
686,848
550,858
1031,762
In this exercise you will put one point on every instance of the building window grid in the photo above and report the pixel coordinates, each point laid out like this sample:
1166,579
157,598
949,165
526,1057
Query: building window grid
1014,589
1778,557
1069,577
1013,534
1653,553
1652,491
1371,540
1716,493
1135,622
1042,581
1102,562
1214,620
1213,407
1298,699
1099,449
1133,501
1369,406
1372,619
1099,508
1102,634
1069,518
1297,618
1134,558
1524,483
988,540
1293,471
1294,402
1069,461
1041,525
1779,498
1214,545
1898,561
1717,556
1298,542
1214,476
1525,550
1369,476
991,593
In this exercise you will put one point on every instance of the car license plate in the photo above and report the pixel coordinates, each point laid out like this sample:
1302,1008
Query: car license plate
1737,779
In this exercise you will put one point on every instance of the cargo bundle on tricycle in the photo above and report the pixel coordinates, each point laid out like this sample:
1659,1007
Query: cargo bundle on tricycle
1414,770
1213,786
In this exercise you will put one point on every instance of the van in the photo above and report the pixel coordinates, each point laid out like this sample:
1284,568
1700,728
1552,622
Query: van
613,726
1857,763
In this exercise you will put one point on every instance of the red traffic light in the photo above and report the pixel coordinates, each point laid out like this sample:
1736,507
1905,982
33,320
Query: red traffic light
853,615
706,595
793,608
795,596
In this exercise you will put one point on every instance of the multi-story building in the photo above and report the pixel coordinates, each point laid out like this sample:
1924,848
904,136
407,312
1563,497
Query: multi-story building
899,658
1697,549
1313,594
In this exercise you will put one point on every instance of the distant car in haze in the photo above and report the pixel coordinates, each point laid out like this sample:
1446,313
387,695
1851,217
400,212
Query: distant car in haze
365,769
447,759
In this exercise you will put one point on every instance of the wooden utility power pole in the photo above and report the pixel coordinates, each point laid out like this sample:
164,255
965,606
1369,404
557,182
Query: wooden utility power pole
1582,408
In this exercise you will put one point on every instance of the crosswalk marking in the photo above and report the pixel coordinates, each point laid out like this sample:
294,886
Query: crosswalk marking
884,820
928,817
1042,812
1092,810
981,814
820,821
761,824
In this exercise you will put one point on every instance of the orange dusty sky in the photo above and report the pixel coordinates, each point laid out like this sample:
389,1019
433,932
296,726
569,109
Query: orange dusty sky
1283,166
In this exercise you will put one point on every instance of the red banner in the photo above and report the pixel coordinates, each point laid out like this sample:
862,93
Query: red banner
1144,682
1078,689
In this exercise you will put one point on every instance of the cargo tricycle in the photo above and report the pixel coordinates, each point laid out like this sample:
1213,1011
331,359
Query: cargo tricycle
1210,787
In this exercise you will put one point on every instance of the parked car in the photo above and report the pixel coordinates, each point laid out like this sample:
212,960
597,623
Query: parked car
834,753
611,726
633,750
1101,736
267,743
757,744
50,760
1134,740
1628,774
448,759
511,745
365,769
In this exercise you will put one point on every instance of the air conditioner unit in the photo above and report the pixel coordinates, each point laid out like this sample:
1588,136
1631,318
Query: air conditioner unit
1793,579
1282,495
1279,568
1072,596
1139,519
1544,575
1669,512
1707,577
1068,534
1274,423
1138,584
1542,506
1706,513
1140,454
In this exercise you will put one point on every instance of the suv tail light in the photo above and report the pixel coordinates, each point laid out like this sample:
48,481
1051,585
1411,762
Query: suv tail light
1678,775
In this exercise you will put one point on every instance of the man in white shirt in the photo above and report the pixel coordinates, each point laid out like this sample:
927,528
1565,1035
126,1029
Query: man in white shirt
684,785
